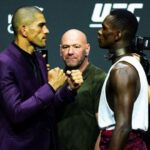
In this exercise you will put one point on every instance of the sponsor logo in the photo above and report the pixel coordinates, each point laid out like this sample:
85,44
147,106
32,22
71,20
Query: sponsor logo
9,27
101,10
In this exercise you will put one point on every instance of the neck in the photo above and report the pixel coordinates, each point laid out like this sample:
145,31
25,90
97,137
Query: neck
84,65
24,45
118,53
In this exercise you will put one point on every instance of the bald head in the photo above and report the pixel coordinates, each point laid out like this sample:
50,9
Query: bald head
74,49
24,16
74,35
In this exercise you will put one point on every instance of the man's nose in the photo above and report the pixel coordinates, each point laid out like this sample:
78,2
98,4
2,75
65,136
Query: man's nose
46,30
70,50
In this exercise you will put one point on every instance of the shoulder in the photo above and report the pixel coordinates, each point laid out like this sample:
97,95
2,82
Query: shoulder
122,67
9,57
123,73
4,56
9,53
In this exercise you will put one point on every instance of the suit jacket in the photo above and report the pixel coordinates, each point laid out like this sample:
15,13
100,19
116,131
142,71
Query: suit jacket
27,110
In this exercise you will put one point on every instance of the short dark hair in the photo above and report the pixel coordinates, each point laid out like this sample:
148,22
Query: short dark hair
25,14
126,22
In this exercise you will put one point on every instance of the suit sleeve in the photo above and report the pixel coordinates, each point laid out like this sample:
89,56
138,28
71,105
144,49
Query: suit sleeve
64,96
16,108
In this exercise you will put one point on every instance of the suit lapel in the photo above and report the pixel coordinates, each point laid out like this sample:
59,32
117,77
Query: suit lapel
21,60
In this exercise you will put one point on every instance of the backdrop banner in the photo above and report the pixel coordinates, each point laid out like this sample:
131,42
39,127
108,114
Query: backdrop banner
85,15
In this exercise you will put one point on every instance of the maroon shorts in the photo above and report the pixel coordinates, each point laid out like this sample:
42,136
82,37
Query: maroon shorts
135,141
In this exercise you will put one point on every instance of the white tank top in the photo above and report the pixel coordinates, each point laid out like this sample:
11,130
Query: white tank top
106,118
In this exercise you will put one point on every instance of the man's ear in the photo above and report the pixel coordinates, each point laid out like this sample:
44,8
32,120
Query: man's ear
23,30
118,36
87,49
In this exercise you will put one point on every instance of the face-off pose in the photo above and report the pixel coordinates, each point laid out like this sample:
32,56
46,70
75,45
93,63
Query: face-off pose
28,101
123,108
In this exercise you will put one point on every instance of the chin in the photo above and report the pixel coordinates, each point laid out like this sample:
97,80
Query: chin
71,66
41,46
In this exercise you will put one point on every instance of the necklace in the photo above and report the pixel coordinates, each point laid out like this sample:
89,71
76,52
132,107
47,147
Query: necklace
117,53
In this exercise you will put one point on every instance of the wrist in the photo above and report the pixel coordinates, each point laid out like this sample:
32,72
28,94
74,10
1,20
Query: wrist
69,88
53,85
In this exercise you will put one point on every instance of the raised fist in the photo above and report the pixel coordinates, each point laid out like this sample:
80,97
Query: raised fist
75,79
56,78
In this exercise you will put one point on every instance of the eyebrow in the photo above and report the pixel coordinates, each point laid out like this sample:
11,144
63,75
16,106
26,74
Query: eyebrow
42,23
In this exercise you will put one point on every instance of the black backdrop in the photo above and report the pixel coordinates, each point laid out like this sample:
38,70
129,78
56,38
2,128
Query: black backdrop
85,15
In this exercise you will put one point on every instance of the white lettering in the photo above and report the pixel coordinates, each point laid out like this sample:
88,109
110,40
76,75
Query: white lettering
9,28
40,8
146,43
102,10
119,5
134,6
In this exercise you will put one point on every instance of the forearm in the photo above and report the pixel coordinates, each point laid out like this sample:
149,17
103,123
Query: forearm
20,110
119,138
97,147
64,96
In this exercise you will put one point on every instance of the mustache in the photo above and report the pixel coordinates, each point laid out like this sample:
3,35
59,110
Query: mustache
74,57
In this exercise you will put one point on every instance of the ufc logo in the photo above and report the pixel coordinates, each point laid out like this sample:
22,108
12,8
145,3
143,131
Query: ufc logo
102,10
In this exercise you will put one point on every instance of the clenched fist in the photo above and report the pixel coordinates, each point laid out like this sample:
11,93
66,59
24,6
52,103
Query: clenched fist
75,79
56,78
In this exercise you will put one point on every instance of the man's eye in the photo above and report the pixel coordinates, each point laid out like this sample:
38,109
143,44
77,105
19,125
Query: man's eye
76,46
65,47
41,24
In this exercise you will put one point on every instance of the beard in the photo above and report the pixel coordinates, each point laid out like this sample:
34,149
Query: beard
77,66
72,67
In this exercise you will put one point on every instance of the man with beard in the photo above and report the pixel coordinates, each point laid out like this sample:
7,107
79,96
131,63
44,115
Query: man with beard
123,108
28,101
77,127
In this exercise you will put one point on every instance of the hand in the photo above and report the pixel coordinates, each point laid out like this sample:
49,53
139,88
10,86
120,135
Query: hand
56,78
75,79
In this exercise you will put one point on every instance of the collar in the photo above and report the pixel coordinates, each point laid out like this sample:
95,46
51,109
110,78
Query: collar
86,71
23,52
